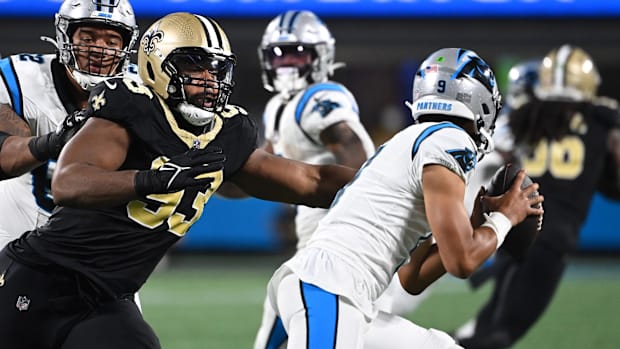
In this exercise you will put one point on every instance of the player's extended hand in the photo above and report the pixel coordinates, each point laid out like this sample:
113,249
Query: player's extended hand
48,146
185,170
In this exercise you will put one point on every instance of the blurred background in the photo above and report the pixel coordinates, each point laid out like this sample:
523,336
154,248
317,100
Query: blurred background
382,43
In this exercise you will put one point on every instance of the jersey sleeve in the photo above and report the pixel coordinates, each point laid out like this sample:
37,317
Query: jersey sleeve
8,81
120,100
23,79
606,110
238,138
323,105
272,109
447,145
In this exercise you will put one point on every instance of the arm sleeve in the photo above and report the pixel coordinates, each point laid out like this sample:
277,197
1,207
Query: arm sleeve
119,100
448,146
323,105
239,137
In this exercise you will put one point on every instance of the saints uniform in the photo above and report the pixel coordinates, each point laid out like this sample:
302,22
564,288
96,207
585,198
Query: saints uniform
570,180
294,126
570,170
369,232
36,86
118,246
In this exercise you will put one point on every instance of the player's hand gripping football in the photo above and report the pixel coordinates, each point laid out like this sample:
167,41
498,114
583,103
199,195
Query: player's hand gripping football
182,171
48,146
518,202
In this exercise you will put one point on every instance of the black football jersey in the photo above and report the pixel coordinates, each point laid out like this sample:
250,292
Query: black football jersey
568,169
117,248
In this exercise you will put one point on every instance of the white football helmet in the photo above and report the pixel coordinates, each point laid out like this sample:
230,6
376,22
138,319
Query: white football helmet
115,14
568,73
296,32
180,41
457,82
522,79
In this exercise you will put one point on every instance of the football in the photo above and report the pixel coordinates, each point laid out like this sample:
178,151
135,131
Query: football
522,236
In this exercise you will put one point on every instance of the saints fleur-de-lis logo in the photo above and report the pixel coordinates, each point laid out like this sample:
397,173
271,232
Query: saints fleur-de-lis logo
98,101
149,39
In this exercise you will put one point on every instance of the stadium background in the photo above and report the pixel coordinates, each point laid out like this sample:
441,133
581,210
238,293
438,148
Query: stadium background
210,296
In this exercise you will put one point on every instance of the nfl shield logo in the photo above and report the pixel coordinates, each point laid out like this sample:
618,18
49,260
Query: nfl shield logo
23,303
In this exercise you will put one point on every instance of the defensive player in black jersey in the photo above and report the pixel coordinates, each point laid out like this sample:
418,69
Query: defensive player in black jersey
567,139
132,182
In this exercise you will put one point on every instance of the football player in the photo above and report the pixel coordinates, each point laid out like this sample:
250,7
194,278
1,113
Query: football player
313,119
414,184
565,136
132,182
40,95
309,118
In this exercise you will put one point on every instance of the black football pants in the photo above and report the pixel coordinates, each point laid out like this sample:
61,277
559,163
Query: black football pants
521,294
46,309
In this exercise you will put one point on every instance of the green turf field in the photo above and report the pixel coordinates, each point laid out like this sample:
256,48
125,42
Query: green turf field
215,302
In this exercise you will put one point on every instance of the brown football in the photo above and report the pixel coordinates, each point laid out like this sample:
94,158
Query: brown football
522,236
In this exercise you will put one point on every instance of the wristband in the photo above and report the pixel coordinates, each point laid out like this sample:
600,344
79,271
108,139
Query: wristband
143,183
40,147
499,223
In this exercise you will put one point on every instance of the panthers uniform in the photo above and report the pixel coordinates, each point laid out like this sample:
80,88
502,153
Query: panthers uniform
294,127
36,86
369,232
118,246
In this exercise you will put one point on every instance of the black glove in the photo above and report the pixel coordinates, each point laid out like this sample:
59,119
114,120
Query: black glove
48,146
180,172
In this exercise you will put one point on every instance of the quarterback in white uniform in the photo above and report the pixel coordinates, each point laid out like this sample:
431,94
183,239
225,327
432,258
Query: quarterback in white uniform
414,184
40,96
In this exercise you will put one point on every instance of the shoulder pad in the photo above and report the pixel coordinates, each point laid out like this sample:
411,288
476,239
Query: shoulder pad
231,110
606,102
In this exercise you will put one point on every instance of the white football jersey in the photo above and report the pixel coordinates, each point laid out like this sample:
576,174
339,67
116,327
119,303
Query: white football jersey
41,98
294,127
379,218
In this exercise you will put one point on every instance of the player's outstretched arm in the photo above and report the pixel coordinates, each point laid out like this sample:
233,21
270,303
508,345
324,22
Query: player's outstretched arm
20,153
275,178
86,175
15,156
230,190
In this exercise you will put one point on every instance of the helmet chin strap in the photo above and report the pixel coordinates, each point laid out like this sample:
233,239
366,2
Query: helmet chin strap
86,82
486,142
196,116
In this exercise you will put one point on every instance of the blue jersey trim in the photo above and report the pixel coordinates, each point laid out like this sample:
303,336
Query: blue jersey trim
277,336
10,79
312,90
429,131
321,316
